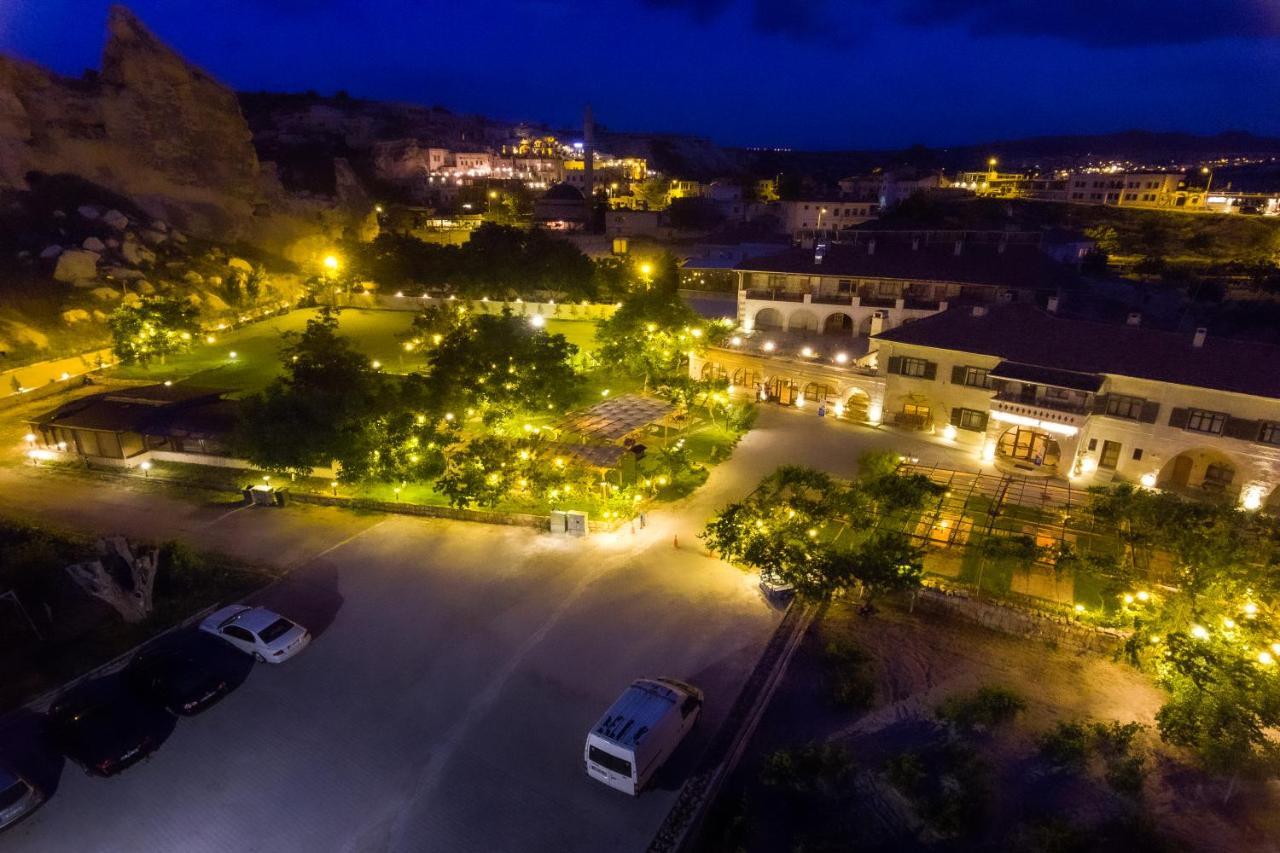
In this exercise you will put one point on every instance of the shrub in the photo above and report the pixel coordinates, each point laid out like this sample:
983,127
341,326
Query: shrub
852,684
986,707
1067,745
813,767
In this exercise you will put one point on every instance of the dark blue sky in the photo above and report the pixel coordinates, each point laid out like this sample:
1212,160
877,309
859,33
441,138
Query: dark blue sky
801,73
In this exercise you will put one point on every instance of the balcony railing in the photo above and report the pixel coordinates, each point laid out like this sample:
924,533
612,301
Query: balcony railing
1015,398
776,295
880,301
921,304
833,298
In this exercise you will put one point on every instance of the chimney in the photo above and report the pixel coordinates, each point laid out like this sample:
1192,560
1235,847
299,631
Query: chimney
1053,305
979,311
1198,340
1134,319
959,246
871,246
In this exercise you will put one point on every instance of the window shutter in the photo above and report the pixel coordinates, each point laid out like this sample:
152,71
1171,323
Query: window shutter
895,364
1150,411
957,376
1100,404
930,370
1178,418
955,416
1241,428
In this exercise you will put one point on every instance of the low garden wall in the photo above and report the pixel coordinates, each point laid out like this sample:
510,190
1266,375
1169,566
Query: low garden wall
550,310
1027,621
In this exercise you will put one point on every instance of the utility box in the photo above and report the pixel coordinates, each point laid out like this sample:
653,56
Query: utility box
575,523
262,495
558,522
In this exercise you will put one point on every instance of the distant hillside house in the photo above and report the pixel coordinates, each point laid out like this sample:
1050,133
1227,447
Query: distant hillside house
561,208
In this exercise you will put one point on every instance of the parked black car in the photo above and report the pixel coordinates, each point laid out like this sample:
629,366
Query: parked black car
105,728
187,673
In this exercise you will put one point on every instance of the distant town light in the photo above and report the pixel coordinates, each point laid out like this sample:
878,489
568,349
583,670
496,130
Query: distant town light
377,365
233,355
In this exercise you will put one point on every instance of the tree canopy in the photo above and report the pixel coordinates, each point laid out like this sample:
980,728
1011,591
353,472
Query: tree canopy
155,327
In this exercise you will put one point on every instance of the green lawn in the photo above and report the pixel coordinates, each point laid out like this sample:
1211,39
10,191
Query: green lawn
257,348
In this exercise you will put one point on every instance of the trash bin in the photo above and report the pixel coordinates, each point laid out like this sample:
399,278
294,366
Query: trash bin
282,497
247,491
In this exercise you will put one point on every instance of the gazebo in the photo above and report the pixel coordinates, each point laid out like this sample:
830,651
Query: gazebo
617,419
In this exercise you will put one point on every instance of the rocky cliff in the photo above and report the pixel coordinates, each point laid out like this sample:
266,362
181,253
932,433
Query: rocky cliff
153,127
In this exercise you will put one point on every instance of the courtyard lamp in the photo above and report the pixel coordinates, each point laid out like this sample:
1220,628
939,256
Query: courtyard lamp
146,469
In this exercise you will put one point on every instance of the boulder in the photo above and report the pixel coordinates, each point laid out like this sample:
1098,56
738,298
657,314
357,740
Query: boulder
59,214
89,211
116,220
215,280
193,278
106,294
159,225
99,316
214,302
145,287
154,237
122,273
135,253
194,299
131,299
112,243
75,315
178,236
51,251
76,265
93,244
240,264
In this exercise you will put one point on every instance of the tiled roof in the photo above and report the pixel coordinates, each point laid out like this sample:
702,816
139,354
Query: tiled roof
1021,266
1031,335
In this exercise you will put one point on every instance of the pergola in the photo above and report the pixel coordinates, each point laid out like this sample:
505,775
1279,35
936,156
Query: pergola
618,418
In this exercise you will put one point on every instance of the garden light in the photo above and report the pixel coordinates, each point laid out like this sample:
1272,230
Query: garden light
735,341
1199,632
537,321
1265,658
768,346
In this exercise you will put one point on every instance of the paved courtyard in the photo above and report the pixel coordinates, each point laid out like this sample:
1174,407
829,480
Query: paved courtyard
455,671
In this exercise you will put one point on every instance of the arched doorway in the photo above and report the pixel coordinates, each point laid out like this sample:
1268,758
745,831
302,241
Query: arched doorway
802,320
1029,450
1201,471
781,389
838,324
768,320
858,406
864,326
745,377
818,392
714,370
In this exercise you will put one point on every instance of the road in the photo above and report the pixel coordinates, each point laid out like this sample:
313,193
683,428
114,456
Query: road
455,671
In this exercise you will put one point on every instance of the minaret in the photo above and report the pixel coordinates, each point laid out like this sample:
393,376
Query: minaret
589,162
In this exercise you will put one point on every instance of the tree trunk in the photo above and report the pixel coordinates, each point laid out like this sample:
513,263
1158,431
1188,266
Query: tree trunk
119,577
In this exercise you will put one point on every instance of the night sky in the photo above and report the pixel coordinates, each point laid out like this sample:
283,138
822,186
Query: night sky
800,73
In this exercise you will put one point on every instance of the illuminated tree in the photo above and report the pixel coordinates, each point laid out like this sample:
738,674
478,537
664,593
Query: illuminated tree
324,408
1211,637
500,365
153,328
653,333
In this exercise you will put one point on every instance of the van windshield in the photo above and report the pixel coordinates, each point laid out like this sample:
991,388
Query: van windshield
609,762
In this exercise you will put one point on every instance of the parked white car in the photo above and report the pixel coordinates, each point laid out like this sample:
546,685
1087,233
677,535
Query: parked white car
257,631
